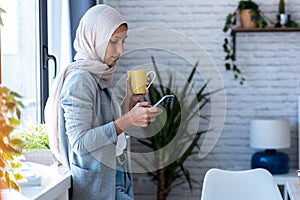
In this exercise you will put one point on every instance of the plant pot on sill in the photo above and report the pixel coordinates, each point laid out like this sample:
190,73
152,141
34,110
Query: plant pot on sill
40,156
245,17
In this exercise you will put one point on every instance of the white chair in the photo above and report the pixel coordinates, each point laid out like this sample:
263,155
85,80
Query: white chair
254,184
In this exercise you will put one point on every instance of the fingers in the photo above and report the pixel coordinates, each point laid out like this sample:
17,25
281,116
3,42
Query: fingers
143,117
152,113
142,114
128,81
143,104
128,86
153,117
155,111
136,97
148,116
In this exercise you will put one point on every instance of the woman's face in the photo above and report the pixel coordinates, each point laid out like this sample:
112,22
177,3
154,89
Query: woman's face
115,46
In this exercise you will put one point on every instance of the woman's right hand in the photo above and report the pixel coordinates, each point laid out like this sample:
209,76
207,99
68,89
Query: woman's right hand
140,115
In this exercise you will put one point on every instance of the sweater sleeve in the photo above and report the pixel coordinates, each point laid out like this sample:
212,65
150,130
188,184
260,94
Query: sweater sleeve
77,100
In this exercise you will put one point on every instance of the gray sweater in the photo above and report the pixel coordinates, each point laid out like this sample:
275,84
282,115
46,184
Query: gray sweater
88,135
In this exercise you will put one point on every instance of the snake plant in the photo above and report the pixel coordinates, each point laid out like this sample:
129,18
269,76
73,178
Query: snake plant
175,174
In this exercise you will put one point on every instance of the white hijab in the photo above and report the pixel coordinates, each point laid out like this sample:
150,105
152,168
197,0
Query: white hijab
92,36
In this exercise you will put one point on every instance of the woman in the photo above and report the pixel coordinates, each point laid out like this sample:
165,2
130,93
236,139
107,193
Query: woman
83,117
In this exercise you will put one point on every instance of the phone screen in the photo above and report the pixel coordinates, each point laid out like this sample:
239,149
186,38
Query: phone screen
165,100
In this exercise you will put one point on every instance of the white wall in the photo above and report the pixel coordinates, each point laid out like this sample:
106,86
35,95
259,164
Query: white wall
270,62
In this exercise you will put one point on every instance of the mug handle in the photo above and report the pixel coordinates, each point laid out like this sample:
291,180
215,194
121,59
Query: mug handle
154,76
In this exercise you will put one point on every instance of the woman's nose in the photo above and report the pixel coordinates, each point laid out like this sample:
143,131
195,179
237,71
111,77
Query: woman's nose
120,48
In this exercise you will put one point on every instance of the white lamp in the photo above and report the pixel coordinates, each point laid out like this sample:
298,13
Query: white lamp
270,134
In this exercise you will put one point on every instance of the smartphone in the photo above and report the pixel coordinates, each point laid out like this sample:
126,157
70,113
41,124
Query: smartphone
164,100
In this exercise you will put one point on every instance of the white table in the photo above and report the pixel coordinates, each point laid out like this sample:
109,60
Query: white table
293,190
282,179
54,186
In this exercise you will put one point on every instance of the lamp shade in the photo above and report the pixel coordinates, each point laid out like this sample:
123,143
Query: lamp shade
270,133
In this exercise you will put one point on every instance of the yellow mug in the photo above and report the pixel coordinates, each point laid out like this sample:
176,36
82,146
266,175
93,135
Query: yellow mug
139,80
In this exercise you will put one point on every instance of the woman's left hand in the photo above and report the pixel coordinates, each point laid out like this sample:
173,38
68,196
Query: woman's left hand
131,99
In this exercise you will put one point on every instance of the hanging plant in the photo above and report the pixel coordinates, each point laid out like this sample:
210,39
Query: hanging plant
252,9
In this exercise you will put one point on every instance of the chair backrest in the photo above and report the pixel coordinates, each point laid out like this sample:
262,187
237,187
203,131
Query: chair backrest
254,184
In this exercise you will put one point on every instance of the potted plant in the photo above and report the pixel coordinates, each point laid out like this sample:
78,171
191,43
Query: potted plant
10,148
250,16
171,124
283,17
35,143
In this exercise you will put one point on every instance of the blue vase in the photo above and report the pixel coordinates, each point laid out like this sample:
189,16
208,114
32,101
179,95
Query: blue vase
275,162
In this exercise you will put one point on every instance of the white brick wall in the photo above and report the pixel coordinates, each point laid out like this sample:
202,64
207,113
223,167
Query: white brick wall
270,62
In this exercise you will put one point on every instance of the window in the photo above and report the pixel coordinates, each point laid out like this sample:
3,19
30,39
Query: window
19,48
26,66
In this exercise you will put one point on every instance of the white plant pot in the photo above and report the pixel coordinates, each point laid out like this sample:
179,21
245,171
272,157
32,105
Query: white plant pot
283,19
40,156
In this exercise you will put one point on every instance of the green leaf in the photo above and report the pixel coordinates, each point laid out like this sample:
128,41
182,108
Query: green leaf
18,177
226,49
14,185
2,162
15,94
157,74
1,11
16,142
15,165
14,121
228,66
7,179
232,57
187,84
234,21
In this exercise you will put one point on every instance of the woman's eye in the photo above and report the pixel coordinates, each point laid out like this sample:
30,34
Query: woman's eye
116,40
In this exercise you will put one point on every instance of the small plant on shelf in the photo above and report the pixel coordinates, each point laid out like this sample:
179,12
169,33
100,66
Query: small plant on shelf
34,136
35,143
281,7
283,19
249,9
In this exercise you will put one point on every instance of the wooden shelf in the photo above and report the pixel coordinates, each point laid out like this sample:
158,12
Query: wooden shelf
273,29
